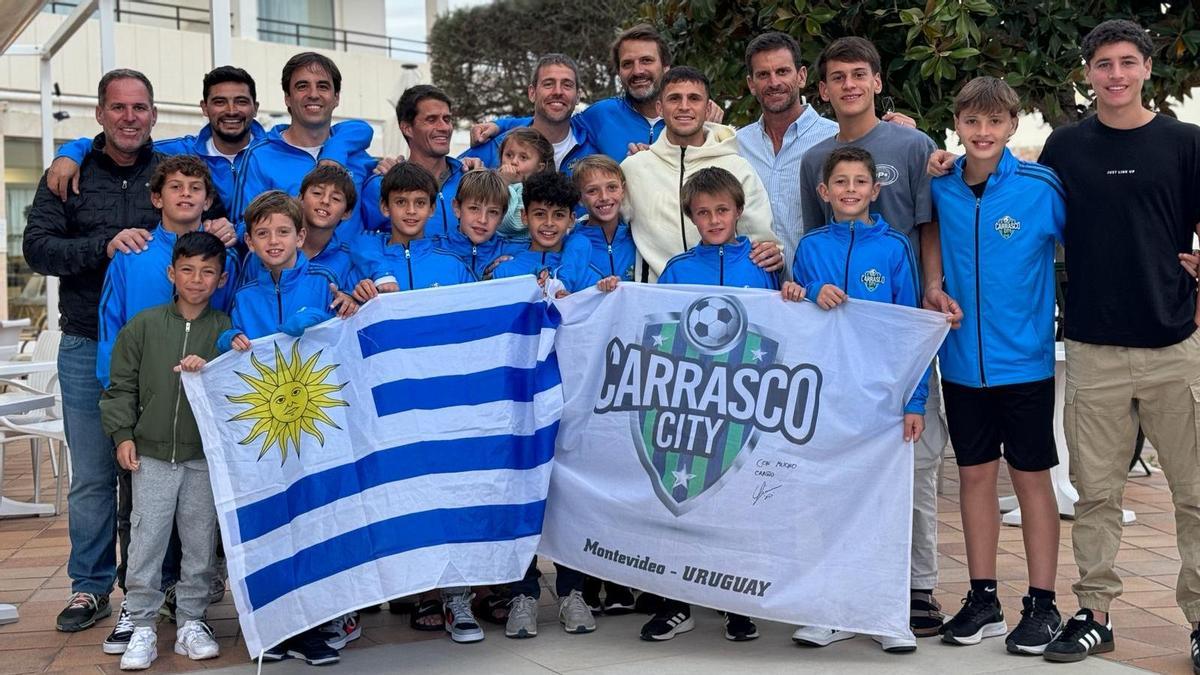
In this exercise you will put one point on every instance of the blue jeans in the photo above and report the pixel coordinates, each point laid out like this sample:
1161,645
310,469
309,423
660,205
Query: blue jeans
566,581
92,501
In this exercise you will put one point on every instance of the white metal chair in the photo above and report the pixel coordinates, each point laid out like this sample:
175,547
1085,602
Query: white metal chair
43,425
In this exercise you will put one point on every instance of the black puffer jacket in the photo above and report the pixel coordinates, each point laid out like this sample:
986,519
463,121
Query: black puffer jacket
68,240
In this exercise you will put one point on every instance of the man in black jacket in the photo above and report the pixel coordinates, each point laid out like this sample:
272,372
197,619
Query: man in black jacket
74,240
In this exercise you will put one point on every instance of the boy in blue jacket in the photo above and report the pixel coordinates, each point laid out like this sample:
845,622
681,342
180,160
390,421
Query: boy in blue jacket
722,258
327,199
288,293
480,204
999,218
405,259
858,255
713,198
601,186
182,189
549,200
312,87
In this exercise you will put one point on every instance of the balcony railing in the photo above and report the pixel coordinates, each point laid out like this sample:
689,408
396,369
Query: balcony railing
168,15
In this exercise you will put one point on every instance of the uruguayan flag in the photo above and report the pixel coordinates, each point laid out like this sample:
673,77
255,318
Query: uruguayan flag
404,449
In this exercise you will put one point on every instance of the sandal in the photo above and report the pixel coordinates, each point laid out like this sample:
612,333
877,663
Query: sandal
426,609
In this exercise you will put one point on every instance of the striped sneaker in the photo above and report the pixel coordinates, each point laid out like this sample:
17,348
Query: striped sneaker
1081,636
1196,651
674,618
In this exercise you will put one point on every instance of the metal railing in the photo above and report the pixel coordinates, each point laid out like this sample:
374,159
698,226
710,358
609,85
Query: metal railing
269,30
306,34
160,13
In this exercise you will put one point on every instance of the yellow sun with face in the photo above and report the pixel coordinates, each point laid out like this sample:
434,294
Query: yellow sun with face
287,400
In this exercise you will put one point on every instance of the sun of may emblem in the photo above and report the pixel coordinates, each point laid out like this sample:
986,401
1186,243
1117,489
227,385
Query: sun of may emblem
287,400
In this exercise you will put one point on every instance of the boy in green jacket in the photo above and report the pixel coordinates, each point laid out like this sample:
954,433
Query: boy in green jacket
148,416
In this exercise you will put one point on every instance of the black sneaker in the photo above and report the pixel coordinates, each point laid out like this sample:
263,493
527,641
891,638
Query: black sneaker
82,611
310,646
740,628
674,618
167,610
1081,636
118,639
1196,652
977,619
1040,624
618,599
277,653
925,616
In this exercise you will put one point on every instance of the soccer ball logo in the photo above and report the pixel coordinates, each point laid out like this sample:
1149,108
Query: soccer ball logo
714,324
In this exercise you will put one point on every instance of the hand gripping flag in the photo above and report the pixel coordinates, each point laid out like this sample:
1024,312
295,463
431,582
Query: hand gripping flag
404,449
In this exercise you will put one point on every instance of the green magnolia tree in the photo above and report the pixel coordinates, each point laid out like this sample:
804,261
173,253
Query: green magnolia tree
930,49
482,56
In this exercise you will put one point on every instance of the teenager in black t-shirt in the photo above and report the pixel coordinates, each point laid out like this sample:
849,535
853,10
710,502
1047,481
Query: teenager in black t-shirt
1133,353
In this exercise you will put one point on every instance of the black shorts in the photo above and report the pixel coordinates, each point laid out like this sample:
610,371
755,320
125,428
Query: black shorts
1019,417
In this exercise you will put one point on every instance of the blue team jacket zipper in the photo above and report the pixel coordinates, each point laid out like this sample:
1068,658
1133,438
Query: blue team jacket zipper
408,260
721,258
849,251
978,299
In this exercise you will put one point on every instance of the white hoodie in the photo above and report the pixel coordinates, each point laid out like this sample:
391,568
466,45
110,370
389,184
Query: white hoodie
653,179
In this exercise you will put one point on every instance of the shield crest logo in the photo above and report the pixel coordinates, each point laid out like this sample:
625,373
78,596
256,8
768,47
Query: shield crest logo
687,455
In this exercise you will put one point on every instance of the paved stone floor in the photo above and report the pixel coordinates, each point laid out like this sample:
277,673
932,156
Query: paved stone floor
1151,631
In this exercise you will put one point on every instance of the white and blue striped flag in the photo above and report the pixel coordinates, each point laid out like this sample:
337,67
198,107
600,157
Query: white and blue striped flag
404,449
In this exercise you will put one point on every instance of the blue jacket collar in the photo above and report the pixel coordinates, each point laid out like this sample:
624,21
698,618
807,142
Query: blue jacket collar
287,278
1007,167
734,250
841,230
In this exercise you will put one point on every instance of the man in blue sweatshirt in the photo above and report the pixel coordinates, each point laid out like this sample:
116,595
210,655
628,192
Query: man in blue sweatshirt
312,86
426,122
554,92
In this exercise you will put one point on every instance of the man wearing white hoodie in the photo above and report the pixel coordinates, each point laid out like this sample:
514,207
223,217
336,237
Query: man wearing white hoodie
654,177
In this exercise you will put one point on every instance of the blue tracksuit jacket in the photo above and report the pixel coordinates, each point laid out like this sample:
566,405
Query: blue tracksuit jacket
609,258
335,257
573,277
998,255
489,153
868,262
273,164
612,125
442,222
477,256
721,265
262,306
138,281
420,264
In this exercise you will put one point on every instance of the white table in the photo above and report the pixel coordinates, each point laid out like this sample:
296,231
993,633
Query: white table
12,403
15,403
1065,494
11,369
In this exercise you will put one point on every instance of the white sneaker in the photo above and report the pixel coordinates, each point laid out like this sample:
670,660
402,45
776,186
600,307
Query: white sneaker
142,649
812,636
194,639
894,645
460,620
574,614
522,617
